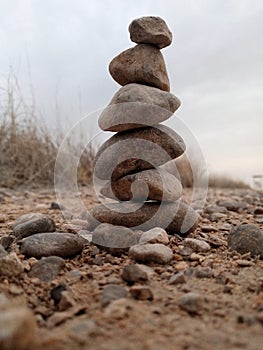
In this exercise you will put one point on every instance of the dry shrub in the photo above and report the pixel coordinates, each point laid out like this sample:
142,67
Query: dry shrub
224,181
27,147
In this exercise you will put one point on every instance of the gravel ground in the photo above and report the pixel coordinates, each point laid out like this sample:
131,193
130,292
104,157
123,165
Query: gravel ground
207,297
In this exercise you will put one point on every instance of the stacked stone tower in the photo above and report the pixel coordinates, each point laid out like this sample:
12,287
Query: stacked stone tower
129,164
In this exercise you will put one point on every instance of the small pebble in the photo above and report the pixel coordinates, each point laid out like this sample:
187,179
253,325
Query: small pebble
112,292
203,272
191,302
178,278
155,235
141,292
197,245
157,253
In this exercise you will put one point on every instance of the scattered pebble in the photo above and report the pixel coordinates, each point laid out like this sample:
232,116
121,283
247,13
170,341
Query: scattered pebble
10,265
56,292
6,241
141,292
66,301
116,239
61,244
17,329
182,265
112,292
191,302
136,273
47,268
197,245
208,228
203,272
233,205
157,253
246,238
155,235
178,278
29,224
244,263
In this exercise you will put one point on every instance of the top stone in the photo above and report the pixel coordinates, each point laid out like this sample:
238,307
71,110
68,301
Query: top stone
150,30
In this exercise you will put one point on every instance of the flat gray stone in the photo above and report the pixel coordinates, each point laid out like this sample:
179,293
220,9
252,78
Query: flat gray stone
157,253
150,30
135,150
61,244
47,269
150,184
137,105
175,218
143,64
116,239
246,238
29,224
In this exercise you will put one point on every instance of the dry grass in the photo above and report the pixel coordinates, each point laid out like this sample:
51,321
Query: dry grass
27,147
224,181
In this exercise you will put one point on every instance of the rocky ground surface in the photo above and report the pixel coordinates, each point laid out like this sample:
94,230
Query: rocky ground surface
202,296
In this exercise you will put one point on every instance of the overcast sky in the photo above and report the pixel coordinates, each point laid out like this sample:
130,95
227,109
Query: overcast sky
215,65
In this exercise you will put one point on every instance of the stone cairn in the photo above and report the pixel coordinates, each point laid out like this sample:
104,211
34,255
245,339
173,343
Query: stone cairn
131,164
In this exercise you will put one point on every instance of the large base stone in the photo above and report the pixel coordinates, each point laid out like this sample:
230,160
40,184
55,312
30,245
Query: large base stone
176,218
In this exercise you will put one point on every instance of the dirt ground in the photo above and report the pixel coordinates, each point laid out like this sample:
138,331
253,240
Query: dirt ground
230,316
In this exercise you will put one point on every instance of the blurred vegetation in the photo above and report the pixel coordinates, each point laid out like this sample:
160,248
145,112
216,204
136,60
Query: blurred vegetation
225,181
28,149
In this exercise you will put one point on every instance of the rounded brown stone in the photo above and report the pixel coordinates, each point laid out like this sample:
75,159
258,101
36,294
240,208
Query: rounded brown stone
137,105
143,64
148,184
176,218
150,30
135,150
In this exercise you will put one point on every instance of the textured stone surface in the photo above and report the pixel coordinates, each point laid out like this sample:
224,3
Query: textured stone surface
114,238
150,30
176,218
29,224
155,235
157,253
137,105
136,150
148,184
142,64
246,238
17,329
60,244
47,268
10,265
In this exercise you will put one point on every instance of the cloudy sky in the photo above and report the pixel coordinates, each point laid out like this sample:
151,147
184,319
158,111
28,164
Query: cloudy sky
215,64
